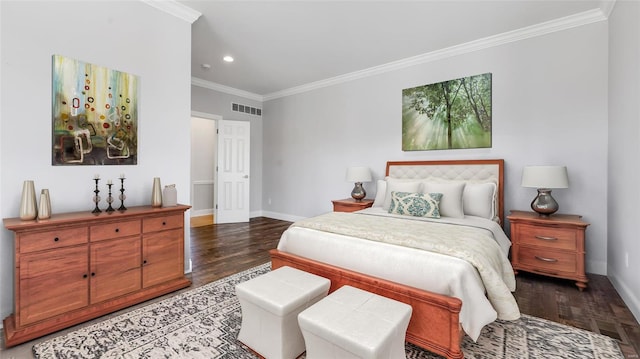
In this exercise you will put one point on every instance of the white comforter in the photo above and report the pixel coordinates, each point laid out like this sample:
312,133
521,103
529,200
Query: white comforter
415,267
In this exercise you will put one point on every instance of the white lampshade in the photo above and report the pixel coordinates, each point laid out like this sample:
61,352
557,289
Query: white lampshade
358,174
545,177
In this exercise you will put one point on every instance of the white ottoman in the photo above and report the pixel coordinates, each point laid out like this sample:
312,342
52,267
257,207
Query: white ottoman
353,323
270,306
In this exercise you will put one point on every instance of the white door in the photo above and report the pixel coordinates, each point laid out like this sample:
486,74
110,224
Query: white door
232,200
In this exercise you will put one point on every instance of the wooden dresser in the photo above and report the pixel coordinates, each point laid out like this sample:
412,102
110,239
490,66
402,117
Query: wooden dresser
552,246
78,266
350,204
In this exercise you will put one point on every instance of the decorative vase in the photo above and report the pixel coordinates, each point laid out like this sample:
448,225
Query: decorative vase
44,210
156,193
169,196
28,205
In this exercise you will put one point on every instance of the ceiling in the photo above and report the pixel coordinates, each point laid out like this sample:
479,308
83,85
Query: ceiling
280,45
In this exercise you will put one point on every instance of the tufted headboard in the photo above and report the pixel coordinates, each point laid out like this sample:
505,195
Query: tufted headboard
461,170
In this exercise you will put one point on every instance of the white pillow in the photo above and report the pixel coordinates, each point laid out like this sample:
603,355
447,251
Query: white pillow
478,199
398,185
474,202
451,202
380,194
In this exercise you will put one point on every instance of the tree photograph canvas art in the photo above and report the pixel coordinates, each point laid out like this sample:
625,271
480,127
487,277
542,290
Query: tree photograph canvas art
453,114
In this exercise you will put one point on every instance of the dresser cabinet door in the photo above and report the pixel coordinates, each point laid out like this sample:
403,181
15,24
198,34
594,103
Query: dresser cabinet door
52,282
115,268
163,257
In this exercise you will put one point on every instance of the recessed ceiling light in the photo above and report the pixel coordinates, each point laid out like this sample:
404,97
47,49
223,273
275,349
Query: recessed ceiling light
228,58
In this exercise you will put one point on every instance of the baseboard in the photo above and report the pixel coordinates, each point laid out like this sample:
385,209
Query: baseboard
629,298
280,216
201,212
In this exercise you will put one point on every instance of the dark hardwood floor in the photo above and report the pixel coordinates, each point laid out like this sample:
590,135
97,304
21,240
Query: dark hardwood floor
220,250
599,308
223,249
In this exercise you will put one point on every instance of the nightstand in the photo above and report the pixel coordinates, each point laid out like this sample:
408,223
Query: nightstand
350,204
552,246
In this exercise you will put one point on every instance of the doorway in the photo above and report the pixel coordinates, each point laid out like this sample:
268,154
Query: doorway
203,163
220,166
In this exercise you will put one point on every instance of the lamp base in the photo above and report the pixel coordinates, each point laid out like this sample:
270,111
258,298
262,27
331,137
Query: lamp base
544,204
358,192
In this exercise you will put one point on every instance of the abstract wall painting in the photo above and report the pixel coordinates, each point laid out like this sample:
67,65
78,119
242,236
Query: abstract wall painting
94,114
453,114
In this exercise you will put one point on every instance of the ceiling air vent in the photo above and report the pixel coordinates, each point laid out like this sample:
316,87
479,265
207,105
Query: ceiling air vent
246,109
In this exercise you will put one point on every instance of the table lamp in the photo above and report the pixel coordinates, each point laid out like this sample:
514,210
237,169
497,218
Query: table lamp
358,175
544,178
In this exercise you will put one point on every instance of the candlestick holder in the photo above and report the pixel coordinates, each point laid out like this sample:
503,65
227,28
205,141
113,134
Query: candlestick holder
110,199
122,196
96,198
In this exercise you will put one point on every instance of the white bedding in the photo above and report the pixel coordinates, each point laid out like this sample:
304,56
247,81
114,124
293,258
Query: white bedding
409,266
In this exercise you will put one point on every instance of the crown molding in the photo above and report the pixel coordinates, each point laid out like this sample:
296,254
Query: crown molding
607,6
196,81
175,8
564,23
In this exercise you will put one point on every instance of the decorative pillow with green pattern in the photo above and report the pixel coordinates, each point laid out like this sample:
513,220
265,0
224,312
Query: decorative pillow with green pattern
416,204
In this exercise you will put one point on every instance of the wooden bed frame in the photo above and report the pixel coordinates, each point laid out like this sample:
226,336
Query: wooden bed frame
435,324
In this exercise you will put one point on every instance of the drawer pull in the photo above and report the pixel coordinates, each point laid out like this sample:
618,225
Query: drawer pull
56,239
117,230
546,238
550,260
164,223
84,276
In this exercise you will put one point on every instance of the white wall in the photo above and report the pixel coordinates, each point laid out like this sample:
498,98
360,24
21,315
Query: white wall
624,151
105,33
549,107
204,100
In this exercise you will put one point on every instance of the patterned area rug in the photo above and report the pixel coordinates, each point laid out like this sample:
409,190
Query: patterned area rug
204,323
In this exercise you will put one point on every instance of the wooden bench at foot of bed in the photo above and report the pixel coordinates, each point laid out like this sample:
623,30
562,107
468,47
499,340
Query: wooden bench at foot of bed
434,325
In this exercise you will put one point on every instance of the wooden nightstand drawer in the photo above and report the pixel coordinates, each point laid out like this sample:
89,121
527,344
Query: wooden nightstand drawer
553,262
549,237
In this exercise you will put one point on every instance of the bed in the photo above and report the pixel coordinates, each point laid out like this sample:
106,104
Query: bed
384,252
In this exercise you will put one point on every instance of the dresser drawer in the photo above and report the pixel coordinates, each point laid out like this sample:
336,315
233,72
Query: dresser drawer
549,237
547,261
55,238
161,223
114,230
